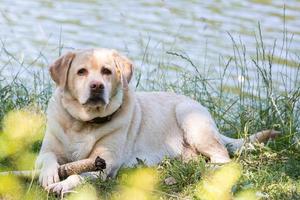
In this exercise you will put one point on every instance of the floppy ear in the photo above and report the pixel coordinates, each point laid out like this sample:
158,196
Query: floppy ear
124,65
60,68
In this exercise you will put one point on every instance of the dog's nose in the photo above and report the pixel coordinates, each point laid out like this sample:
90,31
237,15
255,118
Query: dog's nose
95,86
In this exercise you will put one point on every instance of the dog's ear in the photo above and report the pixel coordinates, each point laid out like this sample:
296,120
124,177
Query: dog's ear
124,65
60,68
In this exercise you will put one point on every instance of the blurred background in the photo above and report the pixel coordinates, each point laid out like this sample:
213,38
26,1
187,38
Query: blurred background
36,30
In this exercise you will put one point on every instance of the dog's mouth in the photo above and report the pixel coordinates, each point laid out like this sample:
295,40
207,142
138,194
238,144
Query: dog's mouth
95,101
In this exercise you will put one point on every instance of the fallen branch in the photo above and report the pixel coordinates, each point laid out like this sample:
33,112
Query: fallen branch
76,167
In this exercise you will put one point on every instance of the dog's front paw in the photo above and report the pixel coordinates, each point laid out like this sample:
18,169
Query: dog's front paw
65,186
49,175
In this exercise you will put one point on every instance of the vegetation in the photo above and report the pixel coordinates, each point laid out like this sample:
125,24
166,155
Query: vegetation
261,98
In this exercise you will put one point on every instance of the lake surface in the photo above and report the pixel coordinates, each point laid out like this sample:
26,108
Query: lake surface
33,31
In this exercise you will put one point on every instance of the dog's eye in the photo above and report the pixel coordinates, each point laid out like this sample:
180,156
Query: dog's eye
82,72
105,71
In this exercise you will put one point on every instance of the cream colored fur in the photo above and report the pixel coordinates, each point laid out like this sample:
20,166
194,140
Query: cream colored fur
149,125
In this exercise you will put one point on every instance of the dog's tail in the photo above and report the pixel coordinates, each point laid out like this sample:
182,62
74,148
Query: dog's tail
235,144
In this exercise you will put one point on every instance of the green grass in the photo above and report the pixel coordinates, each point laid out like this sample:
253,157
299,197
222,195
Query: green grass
239,108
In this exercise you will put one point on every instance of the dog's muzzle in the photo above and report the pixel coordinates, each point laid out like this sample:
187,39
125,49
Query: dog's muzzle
96,94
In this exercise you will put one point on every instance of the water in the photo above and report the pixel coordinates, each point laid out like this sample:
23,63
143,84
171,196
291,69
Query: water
34,29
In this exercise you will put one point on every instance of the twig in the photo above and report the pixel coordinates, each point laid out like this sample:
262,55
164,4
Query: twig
76,167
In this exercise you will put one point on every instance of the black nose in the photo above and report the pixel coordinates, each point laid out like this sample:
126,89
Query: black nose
96,86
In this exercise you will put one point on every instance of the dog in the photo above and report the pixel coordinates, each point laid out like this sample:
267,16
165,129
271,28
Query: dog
94,112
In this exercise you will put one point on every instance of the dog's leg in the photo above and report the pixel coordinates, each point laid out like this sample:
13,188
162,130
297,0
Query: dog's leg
48,161
200,131
66,185
49,168
75,180
108,149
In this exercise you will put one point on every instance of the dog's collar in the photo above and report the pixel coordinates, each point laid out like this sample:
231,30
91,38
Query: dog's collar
102,120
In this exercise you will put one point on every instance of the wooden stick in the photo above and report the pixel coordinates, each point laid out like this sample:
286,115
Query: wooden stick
76,167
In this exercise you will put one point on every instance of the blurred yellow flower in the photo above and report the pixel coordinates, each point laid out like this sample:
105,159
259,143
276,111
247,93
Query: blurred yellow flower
83,193
142,178
26,161
138,184
10,188
133,194
23,124
218,185
20,129
246,195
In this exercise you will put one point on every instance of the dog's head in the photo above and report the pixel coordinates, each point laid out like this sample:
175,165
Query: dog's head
92,77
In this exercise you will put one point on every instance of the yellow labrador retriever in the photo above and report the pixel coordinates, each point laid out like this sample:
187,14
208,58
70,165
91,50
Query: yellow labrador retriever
93,112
